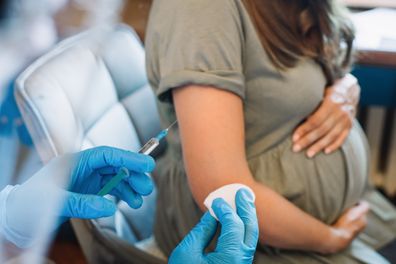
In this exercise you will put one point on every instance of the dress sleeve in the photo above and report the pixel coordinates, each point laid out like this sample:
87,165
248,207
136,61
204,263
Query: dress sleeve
196,42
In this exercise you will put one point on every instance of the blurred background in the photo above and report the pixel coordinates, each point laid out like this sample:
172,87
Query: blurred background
28,29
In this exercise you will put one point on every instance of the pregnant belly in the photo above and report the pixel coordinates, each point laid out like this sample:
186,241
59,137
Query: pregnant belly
323,186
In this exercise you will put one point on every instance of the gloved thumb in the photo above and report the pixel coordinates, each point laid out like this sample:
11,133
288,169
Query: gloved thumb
201,235
194,244
87,206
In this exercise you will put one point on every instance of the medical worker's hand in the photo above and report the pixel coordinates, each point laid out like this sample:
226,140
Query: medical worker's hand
328,127
93,168
10,118
67,187
237,241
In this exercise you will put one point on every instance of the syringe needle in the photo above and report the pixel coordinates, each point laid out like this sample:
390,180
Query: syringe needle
171,125
123,172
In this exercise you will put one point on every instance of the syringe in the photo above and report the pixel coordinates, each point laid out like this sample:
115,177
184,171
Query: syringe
123,173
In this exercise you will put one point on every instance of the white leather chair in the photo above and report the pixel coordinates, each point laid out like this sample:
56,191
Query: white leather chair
92,90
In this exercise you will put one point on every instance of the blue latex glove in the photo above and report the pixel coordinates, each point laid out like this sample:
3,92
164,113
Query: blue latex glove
238,238
67,187
10,118
94,168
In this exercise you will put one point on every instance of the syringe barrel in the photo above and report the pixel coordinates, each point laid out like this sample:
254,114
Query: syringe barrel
149,146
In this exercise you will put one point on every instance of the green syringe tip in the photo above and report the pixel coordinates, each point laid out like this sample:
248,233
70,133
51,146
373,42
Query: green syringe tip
122,174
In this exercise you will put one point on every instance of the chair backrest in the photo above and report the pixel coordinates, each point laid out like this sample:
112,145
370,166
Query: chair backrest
82,94
92,90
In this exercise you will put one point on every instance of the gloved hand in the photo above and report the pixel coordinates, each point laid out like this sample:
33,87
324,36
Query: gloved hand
67,187
238,238
11,119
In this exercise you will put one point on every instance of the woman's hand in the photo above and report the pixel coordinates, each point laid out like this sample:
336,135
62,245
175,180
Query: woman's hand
347,227
328,127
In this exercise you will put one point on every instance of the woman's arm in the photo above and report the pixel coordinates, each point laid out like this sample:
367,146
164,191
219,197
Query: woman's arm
211,126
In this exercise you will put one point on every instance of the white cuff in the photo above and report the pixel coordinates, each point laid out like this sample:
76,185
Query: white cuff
9,234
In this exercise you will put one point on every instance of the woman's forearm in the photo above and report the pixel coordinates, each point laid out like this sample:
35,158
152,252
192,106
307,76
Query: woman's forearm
281,223
284,225
211,124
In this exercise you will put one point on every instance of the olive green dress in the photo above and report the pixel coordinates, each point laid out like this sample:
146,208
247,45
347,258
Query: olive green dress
213,42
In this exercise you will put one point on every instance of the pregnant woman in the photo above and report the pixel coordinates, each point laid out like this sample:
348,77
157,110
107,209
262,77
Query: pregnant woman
262,95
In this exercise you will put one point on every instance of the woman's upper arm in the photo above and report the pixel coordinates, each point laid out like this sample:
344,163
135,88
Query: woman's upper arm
211,127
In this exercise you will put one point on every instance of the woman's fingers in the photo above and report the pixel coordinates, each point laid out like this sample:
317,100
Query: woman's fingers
356,218
313,122
326,130
332,140
350,224
316,134
353,221
325,141
359,211
338,108
337,143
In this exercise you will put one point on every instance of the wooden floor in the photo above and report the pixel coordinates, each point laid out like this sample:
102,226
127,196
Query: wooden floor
66,253
65,248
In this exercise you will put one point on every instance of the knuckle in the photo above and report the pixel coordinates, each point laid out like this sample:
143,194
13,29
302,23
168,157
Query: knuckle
308,140
319,146
311,138
344,115
304,128
333,137
338,130
349,122
324,128
231,218
250,222
337,143
329,141
304,142
250,251
315,121
238,221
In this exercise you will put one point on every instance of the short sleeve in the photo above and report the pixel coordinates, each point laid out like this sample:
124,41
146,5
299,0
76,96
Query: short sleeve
195,42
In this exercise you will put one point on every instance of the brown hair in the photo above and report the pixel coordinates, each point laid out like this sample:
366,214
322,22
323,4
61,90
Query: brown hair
291,29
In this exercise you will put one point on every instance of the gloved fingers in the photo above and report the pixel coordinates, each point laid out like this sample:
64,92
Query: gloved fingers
87,206
141,183
192,247
109,170
247,212
112,157
24,135
127,194
201,235
232,228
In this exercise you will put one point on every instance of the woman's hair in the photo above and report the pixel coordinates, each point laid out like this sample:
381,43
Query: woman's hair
4,9
318,29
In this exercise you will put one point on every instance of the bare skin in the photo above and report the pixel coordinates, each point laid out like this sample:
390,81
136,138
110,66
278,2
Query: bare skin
212,133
